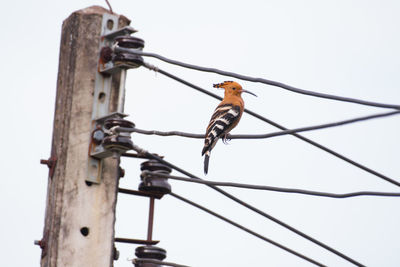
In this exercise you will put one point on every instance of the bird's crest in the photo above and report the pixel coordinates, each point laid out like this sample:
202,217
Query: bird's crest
222,85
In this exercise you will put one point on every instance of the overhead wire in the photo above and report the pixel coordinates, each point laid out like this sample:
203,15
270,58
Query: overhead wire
284,86
253,79
243,203
275,124
258,136
246,229
271,188
158,262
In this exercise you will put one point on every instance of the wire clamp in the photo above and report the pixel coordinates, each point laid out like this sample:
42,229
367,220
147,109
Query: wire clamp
106,143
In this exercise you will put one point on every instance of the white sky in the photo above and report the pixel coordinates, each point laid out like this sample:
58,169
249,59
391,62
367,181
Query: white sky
348,48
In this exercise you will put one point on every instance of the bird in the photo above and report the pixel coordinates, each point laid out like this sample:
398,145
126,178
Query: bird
225,117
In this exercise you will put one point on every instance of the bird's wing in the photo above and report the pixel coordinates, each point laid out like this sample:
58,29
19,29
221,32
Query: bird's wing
225,117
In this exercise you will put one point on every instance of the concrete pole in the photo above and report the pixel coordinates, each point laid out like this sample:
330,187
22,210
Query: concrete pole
80,217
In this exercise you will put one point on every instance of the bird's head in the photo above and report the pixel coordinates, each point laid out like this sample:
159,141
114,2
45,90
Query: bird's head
232,88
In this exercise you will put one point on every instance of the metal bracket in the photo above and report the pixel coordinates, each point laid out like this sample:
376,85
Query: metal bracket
109,63
107,66
96,149
102,92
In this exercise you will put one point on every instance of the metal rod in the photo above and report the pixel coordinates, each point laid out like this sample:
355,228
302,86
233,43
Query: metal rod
139,193
151,220
121,93
136,241
134,155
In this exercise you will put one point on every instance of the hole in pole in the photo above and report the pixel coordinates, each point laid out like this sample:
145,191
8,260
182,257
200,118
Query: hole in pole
110,24
85,231
102,97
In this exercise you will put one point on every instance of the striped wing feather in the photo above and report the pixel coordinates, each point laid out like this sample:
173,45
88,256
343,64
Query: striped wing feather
224,119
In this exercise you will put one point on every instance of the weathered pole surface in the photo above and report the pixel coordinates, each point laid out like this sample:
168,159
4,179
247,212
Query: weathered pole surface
79,222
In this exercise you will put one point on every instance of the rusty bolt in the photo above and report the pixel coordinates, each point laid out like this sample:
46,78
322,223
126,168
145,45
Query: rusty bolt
48,162
51,163
40,243
106,54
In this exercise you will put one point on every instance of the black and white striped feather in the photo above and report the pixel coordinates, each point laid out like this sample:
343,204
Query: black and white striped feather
224,119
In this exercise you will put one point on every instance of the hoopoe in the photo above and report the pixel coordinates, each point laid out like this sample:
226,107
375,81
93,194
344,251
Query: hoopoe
226,116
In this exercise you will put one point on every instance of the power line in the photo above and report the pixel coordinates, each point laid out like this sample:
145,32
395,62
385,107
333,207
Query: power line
246,229
273,188
109,6
259,136
258,116
158,262
243,203
252,79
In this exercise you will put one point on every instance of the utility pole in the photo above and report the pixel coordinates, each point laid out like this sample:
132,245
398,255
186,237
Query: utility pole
80,213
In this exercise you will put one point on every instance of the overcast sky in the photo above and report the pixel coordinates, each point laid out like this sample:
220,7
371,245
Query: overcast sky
342,47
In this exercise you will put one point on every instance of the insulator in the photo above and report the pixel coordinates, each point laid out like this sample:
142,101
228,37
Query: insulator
112,122
131,60
128,41
149,252
120,142
152,182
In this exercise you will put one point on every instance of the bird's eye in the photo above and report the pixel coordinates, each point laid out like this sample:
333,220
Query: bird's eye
233,88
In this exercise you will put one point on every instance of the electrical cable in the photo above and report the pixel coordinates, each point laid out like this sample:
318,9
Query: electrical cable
271,188
158,262
258,136
243,203
246,229
252,79
305,139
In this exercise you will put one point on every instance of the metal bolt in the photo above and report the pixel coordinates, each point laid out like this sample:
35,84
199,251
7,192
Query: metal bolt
115,254
47,162
106,54
97,136
40,243
51,163
121,172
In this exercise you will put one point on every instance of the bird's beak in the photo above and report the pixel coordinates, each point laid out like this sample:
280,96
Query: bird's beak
245,91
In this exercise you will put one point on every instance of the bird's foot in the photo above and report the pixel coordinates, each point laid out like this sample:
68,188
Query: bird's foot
226,139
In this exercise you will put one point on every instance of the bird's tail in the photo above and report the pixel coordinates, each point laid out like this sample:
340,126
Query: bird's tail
206,160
